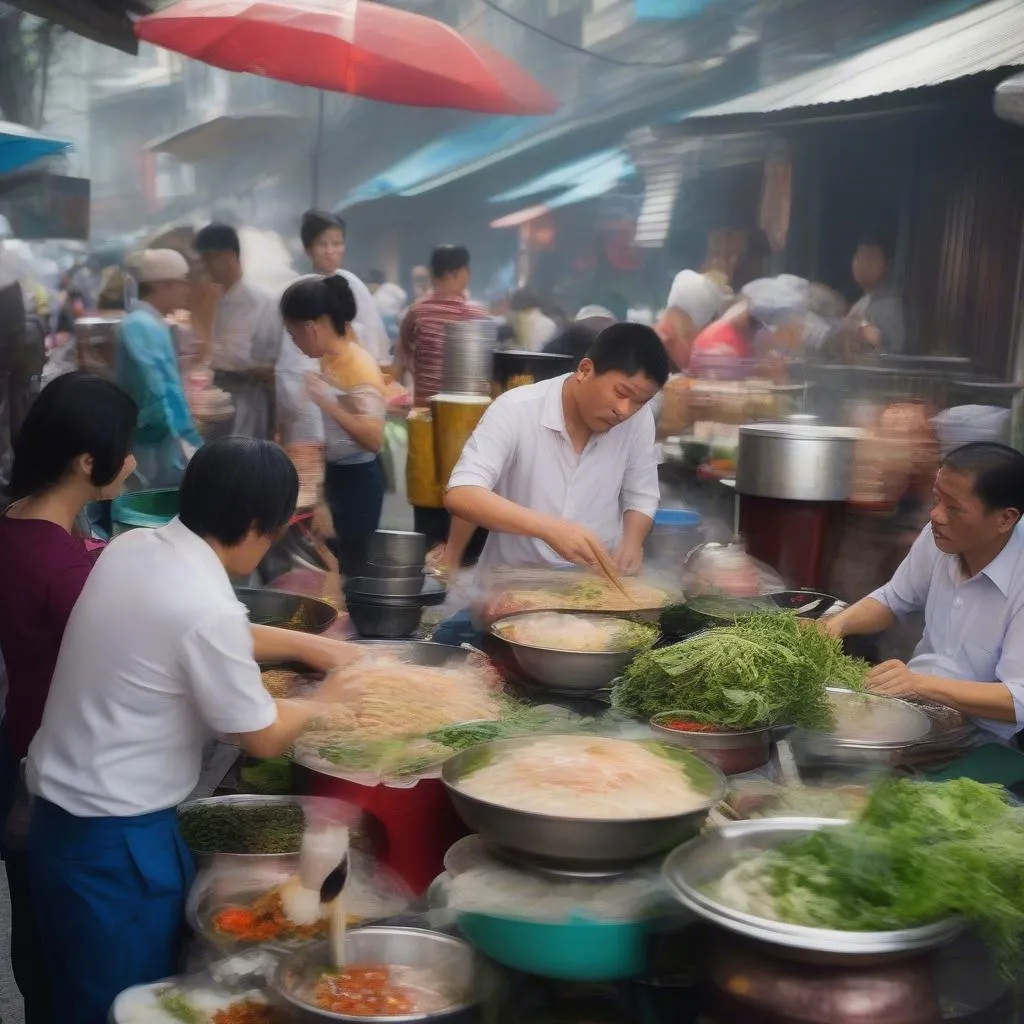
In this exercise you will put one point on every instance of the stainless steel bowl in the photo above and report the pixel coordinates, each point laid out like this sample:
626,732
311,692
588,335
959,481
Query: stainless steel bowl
288,611
449,958
400,591
734,751
578,843
241,801
564,671
421,652
384,621
906,725
394,586
690,870
393,570
397,547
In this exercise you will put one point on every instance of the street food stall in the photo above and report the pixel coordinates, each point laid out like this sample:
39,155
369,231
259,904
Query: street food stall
588,820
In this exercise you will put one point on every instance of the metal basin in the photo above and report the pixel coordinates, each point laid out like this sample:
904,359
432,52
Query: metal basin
243,801
689,871
448,958
287,611
734,751
420,652
886,726
573,672
577,844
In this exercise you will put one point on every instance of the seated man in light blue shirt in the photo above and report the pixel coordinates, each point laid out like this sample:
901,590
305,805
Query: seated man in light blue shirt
966,573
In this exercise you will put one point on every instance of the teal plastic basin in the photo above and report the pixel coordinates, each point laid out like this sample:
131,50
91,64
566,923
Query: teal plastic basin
143,509
575,950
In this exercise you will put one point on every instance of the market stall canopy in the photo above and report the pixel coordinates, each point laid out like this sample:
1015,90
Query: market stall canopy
230,133
578,180
351,46
430,165
981,39
20,146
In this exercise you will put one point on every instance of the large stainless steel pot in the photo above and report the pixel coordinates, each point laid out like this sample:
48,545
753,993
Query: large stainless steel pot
796,462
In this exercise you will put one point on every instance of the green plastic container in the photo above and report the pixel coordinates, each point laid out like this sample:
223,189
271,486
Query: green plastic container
576,950
579,949
143,510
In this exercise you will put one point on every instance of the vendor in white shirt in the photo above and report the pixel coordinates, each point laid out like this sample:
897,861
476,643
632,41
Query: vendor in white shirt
565,471
158,657
966,573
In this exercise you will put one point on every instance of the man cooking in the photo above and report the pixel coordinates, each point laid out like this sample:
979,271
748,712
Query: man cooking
966,573
565,470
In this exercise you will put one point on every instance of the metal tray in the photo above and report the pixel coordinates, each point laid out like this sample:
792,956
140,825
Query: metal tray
690,869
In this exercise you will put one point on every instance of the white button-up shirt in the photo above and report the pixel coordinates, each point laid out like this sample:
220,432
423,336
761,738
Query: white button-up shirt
247,329
157,659
522,451
973,628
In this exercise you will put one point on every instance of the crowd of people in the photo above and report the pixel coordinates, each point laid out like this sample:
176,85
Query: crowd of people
121,668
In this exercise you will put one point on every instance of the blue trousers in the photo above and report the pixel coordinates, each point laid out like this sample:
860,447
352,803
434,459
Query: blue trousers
456,630
109,895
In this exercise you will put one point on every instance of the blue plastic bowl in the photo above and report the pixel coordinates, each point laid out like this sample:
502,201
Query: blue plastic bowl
677,517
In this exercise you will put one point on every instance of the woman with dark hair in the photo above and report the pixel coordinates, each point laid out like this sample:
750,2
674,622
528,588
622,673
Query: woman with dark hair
349,391
158,656
74,447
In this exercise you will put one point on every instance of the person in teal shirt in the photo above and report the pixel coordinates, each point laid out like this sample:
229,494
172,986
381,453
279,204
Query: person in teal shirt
147,368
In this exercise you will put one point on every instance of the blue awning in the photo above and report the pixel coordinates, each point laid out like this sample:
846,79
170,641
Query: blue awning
20,146
420,171
581,179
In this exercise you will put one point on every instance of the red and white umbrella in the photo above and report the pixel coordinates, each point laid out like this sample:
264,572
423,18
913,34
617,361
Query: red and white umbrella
352,46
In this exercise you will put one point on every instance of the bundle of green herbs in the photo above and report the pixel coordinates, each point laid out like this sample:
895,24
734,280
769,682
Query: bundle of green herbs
685,618
243,828
768,669
920,852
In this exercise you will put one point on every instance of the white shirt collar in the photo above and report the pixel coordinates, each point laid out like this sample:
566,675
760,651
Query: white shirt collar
553,412
1000,570
193,547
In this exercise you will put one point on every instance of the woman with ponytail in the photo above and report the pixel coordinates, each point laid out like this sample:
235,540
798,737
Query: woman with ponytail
349,391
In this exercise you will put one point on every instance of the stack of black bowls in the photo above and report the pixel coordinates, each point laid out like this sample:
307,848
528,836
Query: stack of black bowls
387,603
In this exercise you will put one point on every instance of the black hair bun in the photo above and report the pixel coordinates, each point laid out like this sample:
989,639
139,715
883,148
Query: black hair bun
343,300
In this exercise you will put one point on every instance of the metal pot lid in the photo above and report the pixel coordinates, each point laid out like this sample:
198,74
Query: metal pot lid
802,431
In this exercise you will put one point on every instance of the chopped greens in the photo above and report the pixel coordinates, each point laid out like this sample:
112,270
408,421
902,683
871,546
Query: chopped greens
176,1004
243,828
768,669
918,853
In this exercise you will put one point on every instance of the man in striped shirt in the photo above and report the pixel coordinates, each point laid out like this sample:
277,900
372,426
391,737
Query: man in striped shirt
423,335
420,348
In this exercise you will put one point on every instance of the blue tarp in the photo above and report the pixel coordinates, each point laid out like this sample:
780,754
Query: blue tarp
578,180
20,146
444,155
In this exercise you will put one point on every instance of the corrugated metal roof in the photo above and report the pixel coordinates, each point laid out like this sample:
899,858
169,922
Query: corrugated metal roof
982,39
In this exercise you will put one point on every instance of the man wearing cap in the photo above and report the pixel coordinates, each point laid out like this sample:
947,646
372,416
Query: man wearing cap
147,368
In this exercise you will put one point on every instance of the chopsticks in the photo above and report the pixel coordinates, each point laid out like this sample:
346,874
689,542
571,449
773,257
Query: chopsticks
610,573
